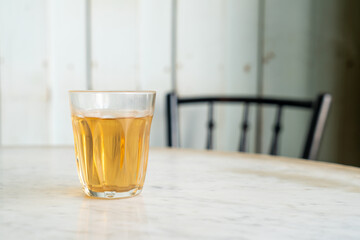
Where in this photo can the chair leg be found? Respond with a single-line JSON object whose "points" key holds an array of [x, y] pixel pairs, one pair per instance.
{"points": [[313, 140], [172, 120]]}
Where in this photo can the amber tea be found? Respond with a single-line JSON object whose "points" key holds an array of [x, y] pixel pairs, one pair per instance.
{"points": [[111, 138], [112, 152]]}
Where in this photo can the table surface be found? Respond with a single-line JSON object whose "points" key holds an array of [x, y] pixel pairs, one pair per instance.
{"points": [[187, 194]]}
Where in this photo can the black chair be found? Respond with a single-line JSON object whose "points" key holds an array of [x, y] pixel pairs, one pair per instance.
{"points": [[320, 108]]}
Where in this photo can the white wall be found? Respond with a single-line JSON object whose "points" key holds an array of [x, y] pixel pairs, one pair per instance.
{"points": [[287, 69], [131, 51], [217, 54], [303, 57], [44, 53], [25, 92], [66, 38]]}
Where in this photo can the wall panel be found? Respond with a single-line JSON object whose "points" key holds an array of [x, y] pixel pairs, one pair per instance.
{"points": [[25, 90]]}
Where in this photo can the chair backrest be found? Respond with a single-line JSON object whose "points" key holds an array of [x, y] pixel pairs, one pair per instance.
{"points": [[319, 107]]}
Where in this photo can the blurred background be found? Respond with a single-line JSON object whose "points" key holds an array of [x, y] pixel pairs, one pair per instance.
{"points": [[280, 48]]}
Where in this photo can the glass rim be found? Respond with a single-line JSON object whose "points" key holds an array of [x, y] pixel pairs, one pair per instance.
{"points": [[111, 91]]}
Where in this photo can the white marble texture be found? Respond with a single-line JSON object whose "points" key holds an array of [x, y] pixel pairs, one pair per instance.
{"points": [[187, 194]]}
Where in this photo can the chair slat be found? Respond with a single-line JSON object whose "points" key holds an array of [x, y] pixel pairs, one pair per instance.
{"points": [[211, 124], [320, 109], [276, 129], [244, 128]]}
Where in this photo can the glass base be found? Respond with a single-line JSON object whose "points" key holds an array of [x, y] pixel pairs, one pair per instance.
{"points": [[113, 194]]}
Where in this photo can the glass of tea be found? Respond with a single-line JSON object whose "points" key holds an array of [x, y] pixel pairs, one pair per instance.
{"points": [[111, 138]]}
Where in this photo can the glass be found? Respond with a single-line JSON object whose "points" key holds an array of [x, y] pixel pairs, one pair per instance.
{"points": [[111, 137]]}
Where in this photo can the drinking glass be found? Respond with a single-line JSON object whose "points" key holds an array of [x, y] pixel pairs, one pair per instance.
{"points": [[111, 138]]}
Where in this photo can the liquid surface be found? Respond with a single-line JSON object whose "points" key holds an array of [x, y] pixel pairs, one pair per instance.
{"points": [[111, 152]]}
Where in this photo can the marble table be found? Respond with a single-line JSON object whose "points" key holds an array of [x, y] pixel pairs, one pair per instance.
{"points": [[187, 195]]}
